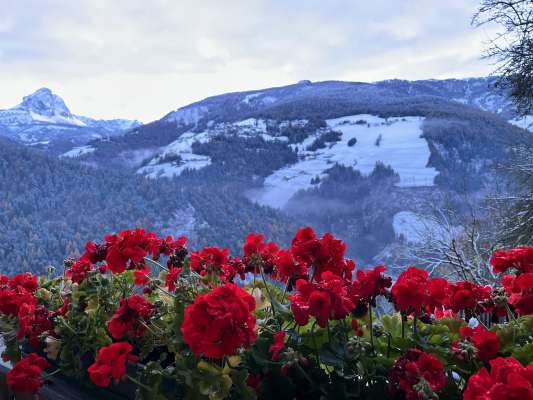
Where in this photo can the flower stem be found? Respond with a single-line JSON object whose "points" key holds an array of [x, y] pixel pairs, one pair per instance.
{"points": [[269, 294], [140, 384], [314, 343], [371, 327]]}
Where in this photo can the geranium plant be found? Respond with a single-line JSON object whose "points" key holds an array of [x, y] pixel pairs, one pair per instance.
{"points": [[297, 323]]}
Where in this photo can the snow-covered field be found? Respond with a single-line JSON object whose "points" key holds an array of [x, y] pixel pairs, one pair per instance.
{"points": [[400, 146], [158, 167], [78, 151], [416, 228], [183, 148], [523, 122]]}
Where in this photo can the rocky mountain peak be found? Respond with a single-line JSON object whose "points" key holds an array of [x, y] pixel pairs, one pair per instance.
{"points": [[44, 102]]}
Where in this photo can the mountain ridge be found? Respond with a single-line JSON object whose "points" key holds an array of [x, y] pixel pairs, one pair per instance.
{"points": [[43, 119]]}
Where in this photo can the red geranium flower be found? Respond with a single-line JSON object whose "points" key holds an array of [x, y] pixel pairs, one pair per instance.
{"points": [[520, 292], [130, 246], [172, 278], [413, 291], [418, 375], [220, 322], [410, 291], [111, 363], [324, 254], [257, 251], [369, 284], [232, 269], [209, 260], [12, 299], [94, 253], [288, 267], [24, 282], [79, 270], [467, 295], [520, 258], [142, 275], [126, 319], [276, 347], [508, 380], [25, 376], [305, 246], [486, 342], [169, 245], [34, 320], [325, 300]]}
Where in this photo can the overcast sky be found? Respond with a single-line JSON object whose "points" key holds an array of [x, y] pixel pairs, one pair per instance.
{"points": [[142, 59]]}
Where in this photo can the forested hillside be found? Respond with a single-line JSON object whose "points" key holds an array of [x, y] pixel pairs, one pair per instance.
{"points": [[49, 208]]}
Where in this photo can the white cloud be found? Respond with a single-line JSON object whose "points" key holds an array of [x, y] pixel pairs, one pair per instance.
{"points": [[139, 59]]}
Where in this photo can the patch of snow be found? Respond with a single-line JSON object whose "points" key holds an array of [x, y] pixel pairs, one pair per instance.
{"points": [[181, 147], [43, 142], [461, 100], [78, 151], [295, 123], [268, 100], [257, 125], [416, 228], [252, 96], [188, 115], [401, 147], [525, 122], [56, 119]]}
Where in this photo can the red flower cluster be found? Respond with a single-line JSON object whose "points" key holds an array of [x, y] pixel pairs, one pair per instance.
{"points": [[288, 267], [16, 291], [79, 270], [466, 295], [25, 376], [17, 299], [419, 375], [257, 254], [126, 319], [142, 275], [220, 322], [111, 363], [520, 292], [487, 343], [413, 290], [210, 260], [507, 380], [518, 287], [130, 246], [327, 299], [233, 268], [324, 254], [520, 258], [171, 279], [34, 320], [370, 284], [127, 250], [276, 347]]}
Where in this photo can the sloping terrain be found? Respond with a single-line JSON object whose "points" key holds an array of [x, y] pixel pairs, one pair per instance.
{"points": [[49, 208], [346, 157]]}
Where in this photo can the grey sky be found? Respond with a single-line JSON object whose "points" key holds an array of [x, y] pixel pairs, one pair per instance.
{"points": [[142, 59]]}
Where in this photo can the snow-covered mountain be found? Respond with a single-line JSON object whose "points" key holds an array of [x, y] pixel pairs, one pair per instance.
{"points": [[43, 119], [346, 157]]}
